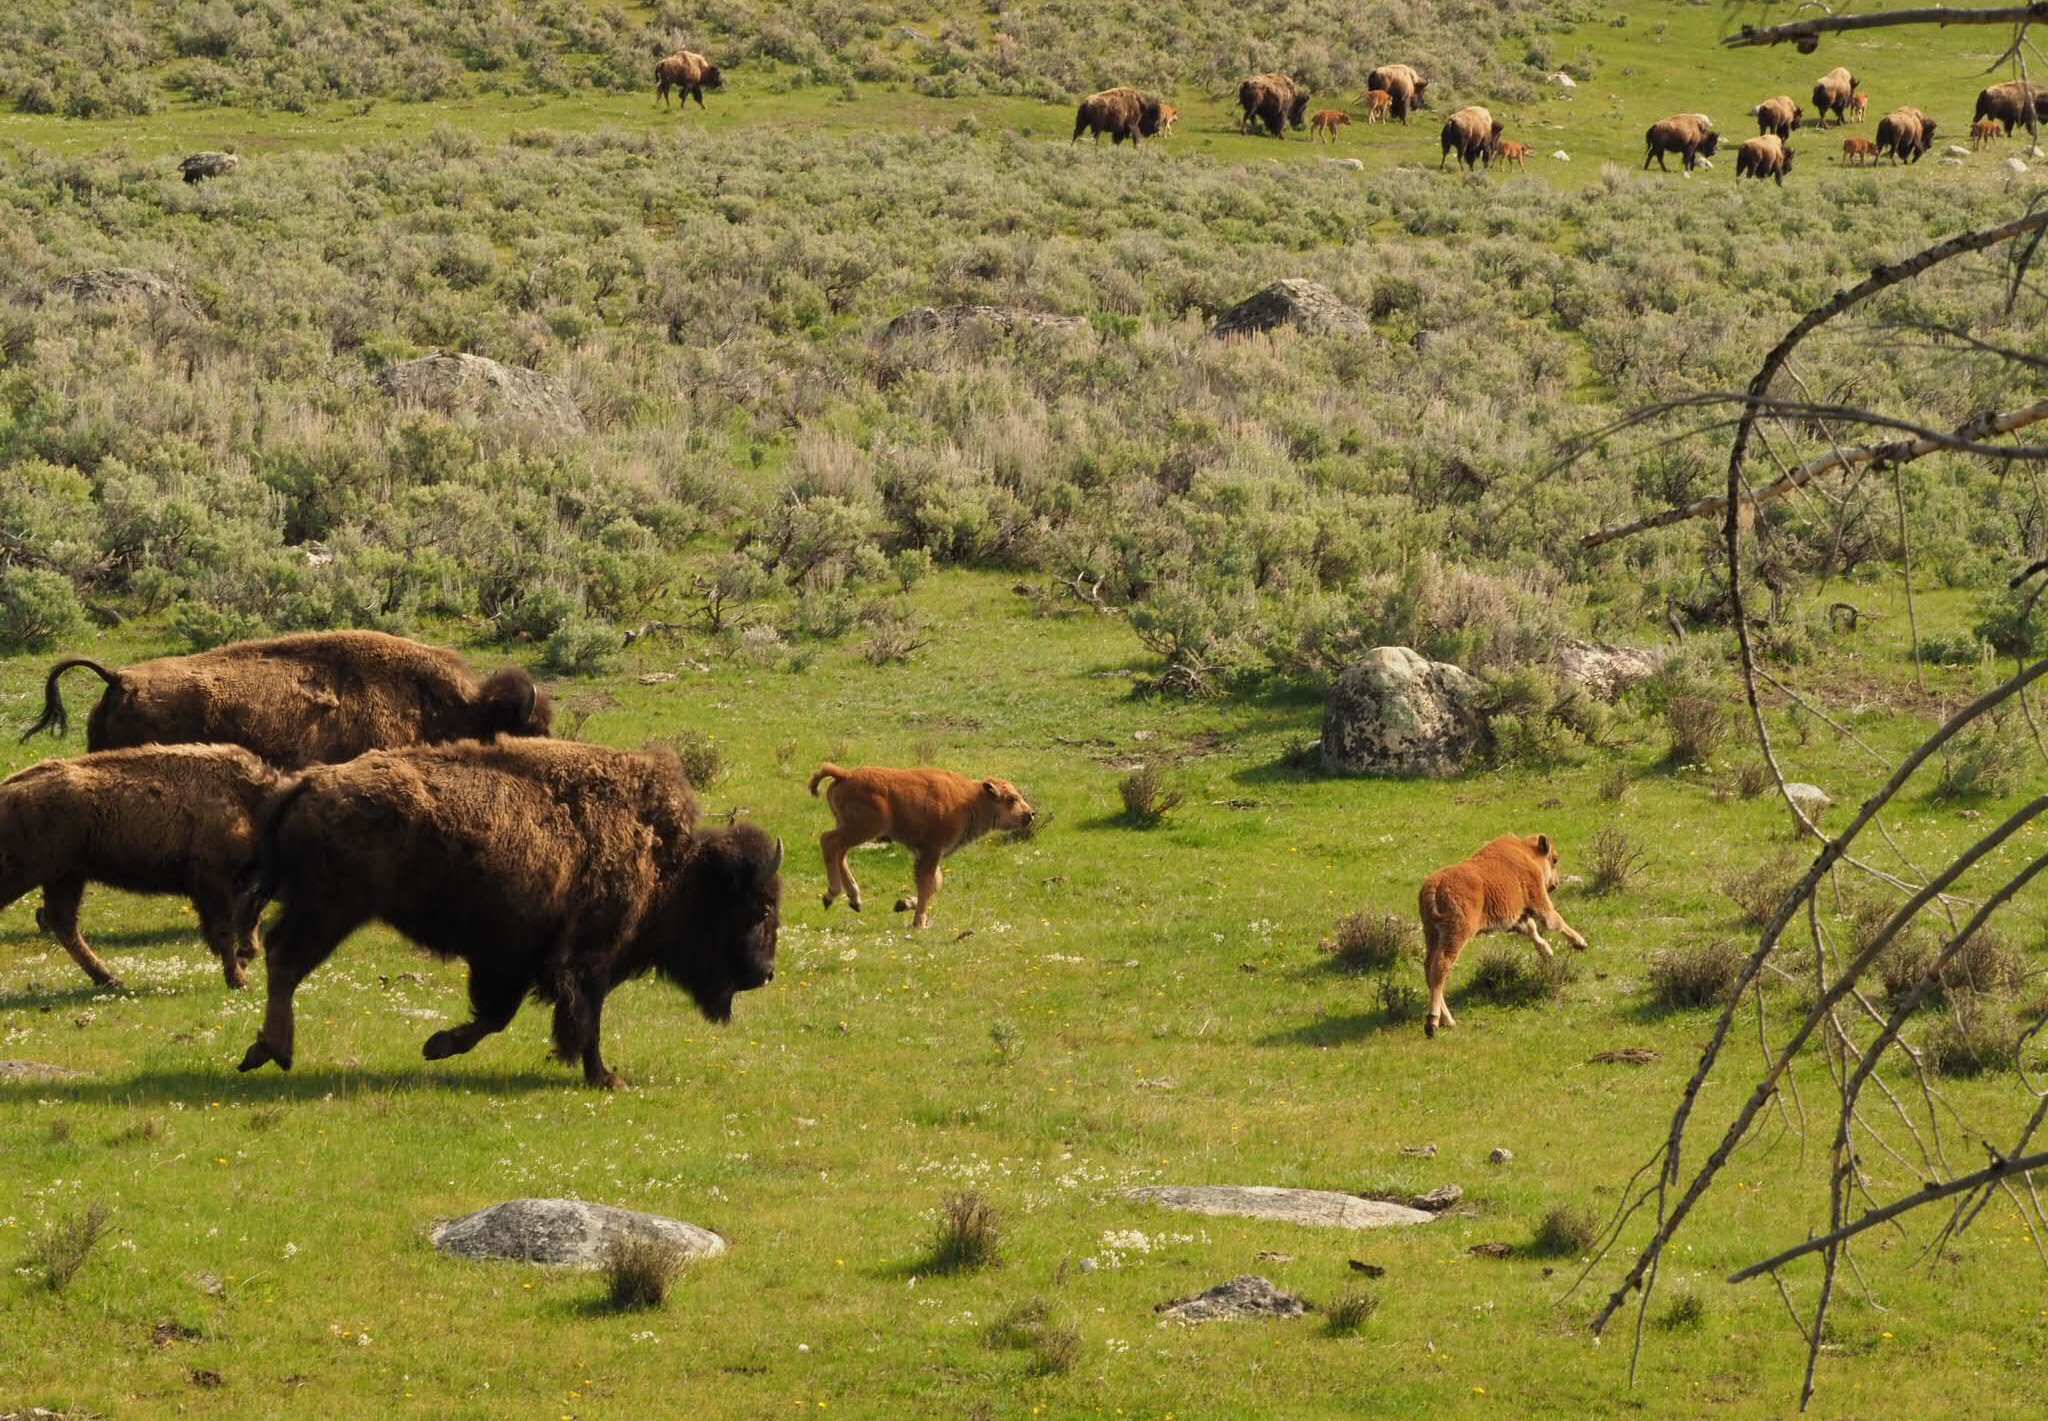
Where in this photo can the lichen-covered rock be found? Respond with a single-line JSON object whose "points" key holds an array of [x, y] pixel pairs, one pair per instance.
{"points": [[563, 1232], [1246, 1296], [452, 380], [1603, 669], [1306, 304], [1315, 1208], [1394, 712]]}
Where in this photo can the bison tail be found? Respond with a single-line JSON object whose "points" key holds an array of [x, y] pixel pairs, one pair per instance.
{"points": [[53, 718], [259, 886], [826, 771]]}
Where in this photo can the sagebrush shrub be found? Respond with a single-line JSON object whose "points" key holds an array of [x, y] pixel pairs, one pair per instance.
{"points": [[1699, 975], [1371, 942]]}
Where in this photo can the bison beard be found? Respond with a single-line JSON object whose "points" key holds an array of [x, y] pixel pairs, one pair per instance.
{"points": [[554, 870], [316, 698]]}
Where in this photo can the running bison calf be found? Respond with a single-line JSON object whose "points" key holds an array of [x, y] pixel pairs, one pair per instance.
{"points": [[163, 819], [1505, 887], [553, 869], [688, 72], [313, 699], [1122, 112], [929, 812], [1689, 134]]}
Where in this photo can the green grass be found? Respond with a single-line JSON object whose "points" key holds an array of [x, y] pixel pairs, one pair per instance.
{"points": [[1167, 1019]]}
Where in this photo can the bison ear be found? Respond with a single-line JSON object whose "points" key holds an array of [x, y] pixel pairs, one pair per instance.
{"points": [[988, 787], [1543, 845]]}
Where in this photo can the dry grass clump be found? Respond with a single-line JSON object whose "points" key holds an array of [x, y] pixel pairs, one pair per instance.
{"points": [[1975, 1037], [1348, 1316], [967, 1236], [61, 1247], [1613, 861], [1699, 975], [1759, 891], [1567, 1231], [1147, 800], [1030, 1326], [1371, 942], [1510, 977], [1697, 724], [639, 1271]]}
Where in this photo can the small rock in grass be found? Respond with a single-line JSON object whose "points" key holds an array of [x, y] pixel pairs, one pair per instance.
{"points": [[1492, 1250], [1438, 1199], [1502, 1155], [563, 1232], [1242, 1297], [1627, 1056]]}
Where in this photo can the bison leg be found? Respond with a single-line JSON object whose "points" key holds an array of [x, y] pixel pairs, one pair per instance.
{"points": [[838, 873], [217, 925], [929, 877], [1554, 920], [494, 999], [298, 944], [1436, 970], [697, 93], [59, 918], [1526, 926], [579, 1016]]}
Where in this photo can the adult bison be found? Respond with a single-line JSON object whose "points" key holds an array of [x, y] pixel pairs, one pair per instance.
{"points": [[1778, 116], [1906, 134], [1690, 134], [1473, 134], [1832, 94], [161, 819], [689, 73], [311, 699], [1122, 112], [1273, 100], [1504, 887], [929, 812], [2012, 104], [1765, 156], [1404, 88], [554, 869]]}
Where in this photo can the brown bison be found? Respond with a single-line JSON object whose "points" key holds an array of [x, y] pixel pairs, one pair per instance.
{"points": [[1326, 122], [1764, 157], [1513, 152], [1473, 134], [1905, 134], [555, 870], [1122, 113], [689, 73], [1858, 150], [1689, 134], [311, 699], [1505, 887], [1403, 87], [1273, 100], [2012, 104], [163, 819], [929, 812], [1832, 94], [1778, 116]]}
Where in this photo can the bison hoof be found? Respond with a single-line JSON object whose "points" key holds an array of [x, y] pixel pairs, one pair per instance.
{"points": [[441, 1045], [259, 1053], [904, 905], [1429, 1027], [606, 1080], [828, 900]]}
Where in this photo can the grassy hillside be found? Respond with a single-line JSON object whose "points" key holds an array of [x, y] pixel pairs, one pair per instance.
{"points": [[890, 549]]}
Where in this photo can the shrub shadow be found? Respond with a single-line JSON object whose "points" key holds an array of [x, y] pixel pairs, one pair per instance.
{"points": [[269, 1086]]}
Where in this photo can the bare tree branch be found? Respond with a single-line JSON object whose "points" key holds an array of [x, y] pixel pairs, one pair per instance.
{"points": [[1810, 31]]}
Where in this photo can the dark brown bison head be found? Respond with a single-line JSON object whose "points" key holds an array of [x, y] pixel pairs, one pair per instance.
{"points": [[510, 703], [1151, 114], [1421, 88], [728, 912], [712, 78], [1298, 108], [1788, 160], [1712, 145], [1926, 135]]}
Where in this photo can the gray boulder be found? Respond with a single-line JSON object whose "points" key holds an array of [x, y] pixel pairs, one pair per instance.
{"points": [[1395, 713], [201, 166], [1244, 1297], [1307, 304], [1604, 669], [563, 1232], [1315, 1208], [36, 1071], [450, 381]]}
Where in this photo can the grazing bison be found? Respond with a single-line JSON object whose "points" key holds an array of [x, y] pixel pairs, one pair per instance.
{"points": [[1778, 116], [929, 812], [2012, 104], [1403, 87], [1832, 94], [689, 73], [1122, 113], [1513, 152], [1905, 134], [162, 819], [1473, 134], [1764, 157], [1273, 100], [311, 699], [1326, 122], [1689, 134], [1505, 887], [554, 869], [1378, 104], [1858, 150]]}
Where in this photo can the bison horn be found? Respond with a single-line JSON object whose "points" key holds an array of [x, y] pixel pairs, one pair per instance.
{"points": [[776, 866]]}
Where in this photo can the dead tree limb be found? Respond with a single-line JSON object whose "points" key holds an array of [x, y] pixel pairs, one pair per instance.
{"points": [[1809, 31]]}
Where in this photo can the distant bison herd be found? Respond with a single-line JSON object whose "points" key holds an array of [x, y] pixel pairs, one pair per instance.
{"points": [[1274, 104], [356, 777]]}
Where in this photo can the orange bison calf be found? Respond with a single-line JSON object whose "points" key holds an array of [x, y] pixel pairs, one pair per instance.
{"points": [[555, 870], [164, 819], [1505, 887], [312, 699], [1324, 123], [929, 812]]}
